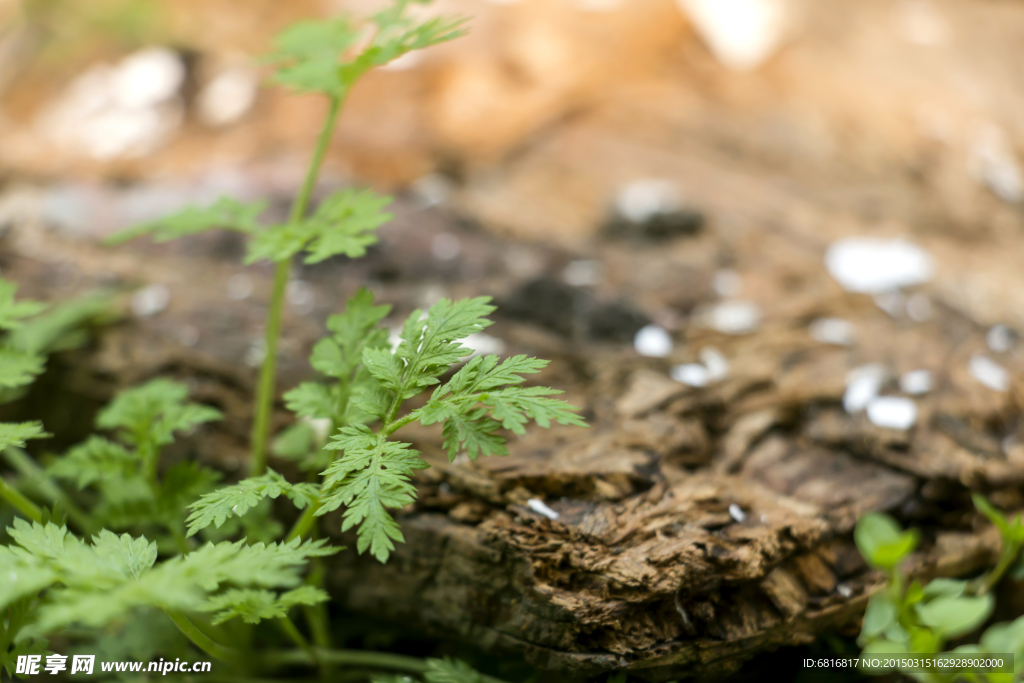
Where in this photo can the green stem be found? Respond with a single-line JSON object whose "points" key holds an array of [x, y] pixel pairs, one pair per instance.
{"points": [[304, 523], [316, 617], [203, 641], [268, 372], [988, 581], [23, 504], [393, 427], [27, 467], [293, 632]]}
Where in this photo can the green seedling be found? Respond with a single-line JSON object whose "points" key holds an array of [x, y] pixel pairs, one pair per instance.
{"points": [[906, 618], [130, 556]]}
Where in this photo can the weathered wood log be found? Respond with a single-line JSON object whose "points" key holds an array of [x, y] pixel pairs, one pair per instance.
{"points": [[695, 528]]}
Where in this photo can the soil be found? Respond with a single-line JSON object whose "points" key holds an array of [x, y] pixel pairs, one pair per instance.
{"points": [[697, 526]]}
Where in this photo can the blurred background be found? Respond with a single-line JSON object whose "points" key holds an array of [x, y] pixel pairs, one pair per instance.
{"points": [[904, 111], [774, 247]]}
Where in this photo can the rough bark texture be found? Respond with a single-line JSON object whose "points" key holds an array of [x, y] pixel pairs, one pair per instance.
{"points": [[696, 527]]}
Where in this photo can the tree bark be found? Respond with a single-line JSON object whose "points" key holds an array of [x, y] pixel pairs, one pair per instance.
{"points": [[696, 527]]}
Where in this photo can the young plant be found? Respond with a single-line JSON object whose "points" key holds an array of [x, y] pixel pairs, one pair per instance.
{"points": [[373, 473], [323, 57], [59, 583], [133, 495], [908, 618]]}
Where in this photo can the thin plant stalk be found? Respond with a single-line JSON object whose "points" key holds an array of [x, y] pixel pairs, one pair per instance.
{"points": [[20, 502], [268, 372], [293, 632], [27, 467], [203, 641]]}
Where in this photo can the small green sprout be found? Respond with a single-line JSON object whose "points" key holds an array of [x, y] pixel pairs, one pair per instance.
{"points": [[914, 619]]}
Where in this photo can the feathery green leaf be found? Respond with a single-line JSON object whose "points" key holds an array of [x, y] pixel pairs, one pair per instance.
{"points": [[216, 507], [253, 606], [373, 475], [104, 580], [96, 459], [154, 411], [343, 224], [225, 213], [16, 434], [316, 56]]}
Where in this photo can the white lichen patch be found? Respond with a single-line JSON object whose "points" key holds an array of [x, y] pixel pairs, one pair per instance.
{"points": [[872, 266], [892, 412], [863, 385], [691, 374], [150, 300], [652, 341], [833, 331], [733, 317], [917, 382], [988, 372]]}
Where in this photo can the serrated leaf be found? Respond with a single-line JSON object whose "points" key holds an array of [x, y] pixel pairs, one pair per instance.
{"points": [[398, 34], [216, 507], [475, 432], [372, 475], [135, 555], [343, 224], [115, 574], [95, 460], [182, 419], [458, 403], [430, 343], [226, 213], [515, 405], [385, 367], [328, 359], [16, 434], [312, 399], [253, 606], [367, 400], [154, 411], [351, 328], [346, 223], [315, 56], [485, 373], [309, 55]]}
